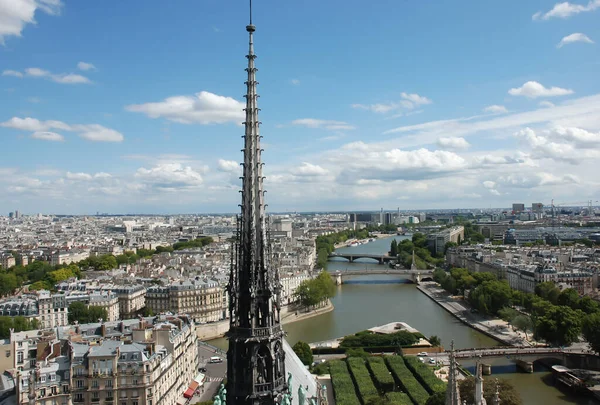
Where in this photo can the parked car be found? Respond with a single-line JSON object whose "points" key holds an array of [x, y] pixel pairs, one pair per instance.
{"points": [[421, 359], [215, 359], [422, 354], [202, 369]]}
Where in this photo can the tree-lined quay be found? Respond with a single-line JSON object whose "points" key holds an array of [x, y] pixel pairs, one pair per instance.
{"points": [[554, 316]]}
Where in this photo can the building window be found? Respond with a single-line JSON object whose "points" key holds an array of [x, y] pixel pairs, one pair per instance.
{"points": [[19, 357], [8, 353], [65, 389], [52, 377], [79, 397], [108, 384], [43, 379], [43, 392], [109, 395], [79, 383], [94, 383]]}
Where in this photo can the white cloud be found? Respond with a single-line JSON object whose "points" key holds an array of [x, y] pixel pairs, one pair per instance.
{"points": [[295, 82], [62, 78], [415, 98], [79, 176], [85, 66], [33, 124], [536, 180], [48, 136], [203, 108], [533, 89], [70, 79], [576, 37], [408, 101], [230, 166], [91, 132], [308, 169], [358, 160], [496, 109], [327, 124], [34, 100], [170, 176], [12, 73], [98, 133], [453, 143], [566, 10], [489, 184], [572, 145], [15, 14], [546, 104]]}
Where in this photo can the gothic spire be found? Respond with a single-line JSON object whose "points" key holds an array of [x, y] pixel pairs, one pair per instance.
{"points": [[452, 392], [256, 360]]}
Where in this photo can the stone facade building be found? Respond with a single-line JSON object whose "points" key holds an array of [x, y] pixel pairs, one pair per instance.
{"points": [[132, 299], [149, 361], [202, 301]]}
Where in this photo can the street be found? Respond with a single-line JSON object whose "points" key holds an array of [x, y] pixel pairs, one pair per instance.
{"points": [[215, 372]]}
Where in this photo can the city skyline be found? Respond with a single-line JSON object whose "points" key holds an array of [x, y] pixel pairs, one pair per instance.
{"points": [[391, 114]]}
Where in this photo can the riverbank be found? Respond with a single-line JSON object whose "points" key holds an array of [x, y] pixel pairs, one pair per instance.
{"points": [[289, 314], [497, 329]]}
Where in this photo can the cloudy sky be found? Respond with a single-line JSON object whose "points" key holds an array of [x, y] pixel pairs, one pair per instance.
{"points": [[136, 106]]}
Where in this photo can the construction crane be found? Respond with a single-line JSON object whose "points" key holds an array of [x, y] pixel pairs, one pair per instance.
{"points": [[587, 203]]}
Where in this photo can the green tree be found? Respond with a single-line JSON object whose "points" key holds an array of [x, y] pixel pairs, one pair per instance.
{"points": [[95, 313], [304, 353], [78, 312], [508, 393], [435, 341], [588, 305], [439, 275], [591, 330], [357, 352], [8, 283], [548, 291], [394, 248], [523, 323], [40, 285], [508, 314], [491, 296], [439, 398], [569, 297], [322, 257], [560, 326], [449, 245]]}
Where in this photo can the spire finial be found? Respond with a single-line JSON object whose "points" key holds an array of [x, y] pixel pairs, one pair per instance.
{"points": [[250, 28]]}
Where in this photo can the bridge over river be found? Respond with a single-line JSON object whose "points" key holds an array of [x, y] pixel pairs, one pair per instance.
{"points": [[524, 357], [351, 257], [415, 275]]}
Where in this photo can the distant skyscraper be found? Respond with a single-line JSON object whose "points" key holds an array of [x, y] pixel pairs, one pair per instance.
{"points": [[256, 368], [518, 208]]}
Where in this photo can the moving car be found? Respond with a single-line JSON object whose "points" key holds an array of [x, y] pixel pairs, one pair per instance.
{"points": [[215, 359]]}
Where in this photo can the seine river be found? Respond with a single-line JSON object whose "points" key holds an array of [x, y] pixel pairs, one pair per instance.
{"points": [[379, 299]]}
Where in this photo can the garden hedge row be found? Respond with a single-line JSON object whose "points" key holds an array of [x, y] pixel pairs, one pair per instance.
{"points": [[425, 375], [381, 375], [405, 378], [343, 387], [362, 378], [398, 398]]}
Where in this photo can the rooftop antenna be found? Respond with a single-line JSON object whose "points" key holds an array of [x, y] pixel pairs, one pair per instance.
{"points": [[250, 12]]}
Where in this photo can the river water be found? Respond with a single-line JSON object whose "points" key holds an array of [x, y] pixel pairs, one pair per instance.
{"points": [[374, 300]]}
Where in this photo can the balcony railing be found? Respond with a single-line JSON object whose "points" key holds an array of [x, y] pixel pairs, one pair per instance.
{"points": [[258, 332]]}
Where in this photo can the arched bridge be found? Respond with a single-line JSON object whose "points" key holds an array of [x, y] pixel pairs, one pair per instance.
{"points": [[351, 257], [416, 275]]}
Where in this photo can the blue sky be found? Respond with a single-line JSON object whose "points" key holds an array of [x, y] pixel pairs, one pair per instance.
{"points": [[135, 106]]}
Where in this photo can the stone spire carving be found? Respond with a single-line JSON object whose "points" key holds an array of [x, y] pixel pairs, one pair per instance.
{"points": [[496, 399], [479, 399], [256, 366], [452, 392], [413, 266]]}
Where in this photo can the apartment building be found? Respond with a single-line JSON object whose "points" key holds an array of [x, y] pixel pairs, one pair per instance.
{"points": [[149, 361], [436, 242], [201, 300], [68, 256], [51, 310], [290, 282], [103, 299], [7, 260], [132, 299]]}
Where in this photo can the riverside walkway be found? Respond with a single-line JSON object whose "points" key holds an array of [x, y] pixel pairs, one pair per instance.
{"points": [[494, 328]]}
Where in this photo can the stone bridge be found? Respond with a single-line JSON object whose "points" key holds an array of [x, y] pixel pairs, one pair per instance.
{"points": [[351, 257], [523, 357], [416, 275]]}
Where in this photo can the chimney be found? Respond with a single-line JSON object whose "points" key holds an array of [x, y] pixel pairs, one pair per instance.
{"points": [[77, 328], [103, 330], [121, 327]]}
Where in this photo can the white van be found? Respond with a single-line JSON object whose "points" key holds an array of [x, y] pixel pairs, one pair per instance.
{"points": [[215, 359]]}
